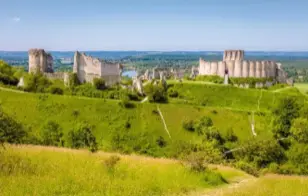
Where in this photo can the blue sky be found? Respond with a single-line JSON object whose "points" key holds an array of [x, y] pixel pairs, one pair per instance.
{"points": [[270, 25]]}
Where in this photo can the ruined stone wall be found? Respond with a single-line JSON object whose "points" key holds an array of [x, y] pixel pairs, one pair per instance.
{"points": [[88, 68], [37, 60]]}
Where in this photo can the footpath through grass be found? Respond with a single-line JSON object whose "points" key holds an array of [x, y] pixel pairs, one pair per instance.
{"points": [[36, 170]]}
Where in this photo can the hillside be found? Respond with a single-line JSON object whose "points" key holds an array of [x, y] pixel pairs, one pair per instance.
{"points": [[206, 94], [109, 118], [37, 170]]}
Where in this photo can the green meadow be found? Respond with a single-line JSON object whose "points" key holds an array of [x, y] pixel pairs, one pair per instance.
{"points": [[38, 170]]}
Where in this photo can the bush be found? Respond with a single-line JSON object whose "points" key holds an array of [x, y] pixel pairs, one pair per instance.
{"points": [[284, 112], [156, 93], [56, 90], [111, 162], [7, 74], [99, 83], [73, 80], [212, 134], [52, 134], [161, 142], [210, 78], [299, 130], [126, 103], [298, 156], [261, 153], [196, 162], [230, 136], [247, 167], [203, 123], [173, 93], [36, 83], [11, 131], [188, 125], [82, 136]]}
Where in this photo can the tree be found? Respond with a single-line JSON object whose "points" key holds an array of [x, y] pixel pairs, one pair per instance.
{"points": [[299, 130], [10, 130], [285, 111], [52, 134], [82, 136], [202, 124], [156, 93], [298, 156]]}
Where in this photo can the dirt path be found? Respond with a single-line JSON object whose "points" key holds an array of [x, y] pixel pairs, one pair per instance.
{"points": [[162, 118]]}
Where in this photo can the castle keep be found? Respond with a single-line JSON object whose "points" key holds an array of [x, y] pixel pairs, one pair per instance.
{"points": [[40, 61], [234, 65], [87, 68]]}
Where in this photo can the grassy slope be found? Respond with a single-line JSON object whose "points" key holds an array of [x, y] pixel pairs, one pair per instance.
{"points": [[33, 110], [303, 87], [58, 171], [199, 93], [272, 185]]}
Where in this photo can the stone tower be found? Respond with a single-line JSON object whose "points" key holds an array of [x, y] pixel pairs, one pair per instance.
{"points": [[233, 55], [40, 61]]}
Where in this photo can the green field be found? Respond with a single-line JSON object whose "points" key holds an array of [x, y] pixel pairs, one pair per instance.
{"points": [[36, 170], [303, 87], [108, 117]]}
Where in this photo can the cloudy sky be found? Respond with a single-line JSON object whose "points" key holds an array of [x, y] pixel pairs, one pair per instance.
{"points": [[272, 25]]}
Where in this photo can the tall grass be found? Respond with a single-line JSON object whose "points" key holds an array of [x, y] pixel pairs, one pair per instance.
{"points": [[29, 170]]}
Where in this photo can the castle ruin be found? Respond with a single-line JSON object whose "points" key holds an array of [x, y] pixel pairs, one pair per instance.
{"points": [[40, 61], [87, 68], [234, 65]]}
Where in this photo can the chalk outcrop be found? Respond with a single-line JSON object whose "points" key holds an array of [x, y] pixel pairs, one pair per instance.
{"points": [[87, 68]]}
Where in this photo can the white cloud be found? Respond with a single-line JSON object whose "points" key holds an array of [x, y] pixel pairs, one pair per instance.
{"points": [[16, 19]]}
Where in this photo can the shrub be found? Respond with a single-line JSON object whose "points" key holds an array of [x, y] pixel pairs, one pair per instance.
{"points": [[230, 136], [73, 80], [111, 162], [203, 123], [299, 130], [7, 74], [212, 134], [56, 90], [36, 83], [211, 78], [161, 142], [247, 167], [188, 125], [298, 156], [126, 103], [213, 178], [99, 83], [284, 112], [82, 136], [196, 162], [11, 131], [261, 153], [173, 93], [52, 134], [156, 93]]}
